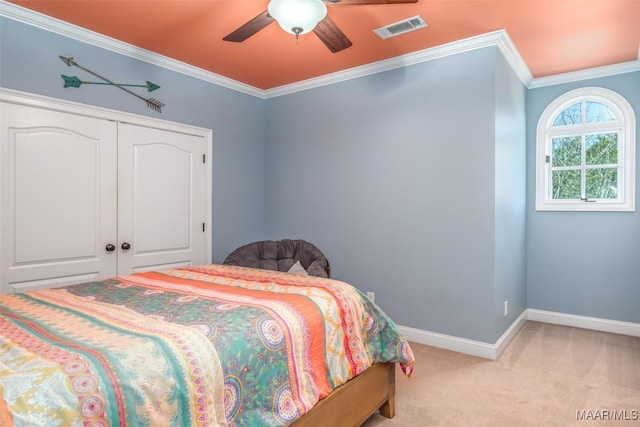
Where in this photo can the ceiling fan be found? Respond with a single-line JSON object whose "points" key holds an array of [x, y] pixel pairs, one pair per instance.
{"points": [[299, 22]]}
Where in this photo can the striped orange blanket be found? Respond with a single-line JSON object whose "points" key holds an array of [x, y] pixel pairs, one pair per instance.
{"points": [[198, 346]]}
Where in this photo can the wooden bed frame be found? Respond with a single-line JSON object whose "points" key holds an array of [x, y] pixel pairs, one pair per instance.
{"points": [[354, 402]]}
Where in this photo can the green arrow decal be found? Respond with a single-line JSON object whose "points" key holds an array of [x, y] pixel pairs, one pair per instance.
{"points": [[151, 86], [76, 82], [71, 81]]}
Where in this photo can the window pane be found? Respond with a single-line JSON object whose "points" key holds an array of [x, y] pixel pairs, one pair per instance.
{"points": [[570, 116], [566, 151], [586, 152], [566, 184], [597, 112], [602, 149], [602, 183]]}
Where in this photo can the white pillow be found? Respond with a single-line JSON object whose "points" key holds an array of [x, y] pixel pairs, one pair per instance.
{"points": [[298, 269]]}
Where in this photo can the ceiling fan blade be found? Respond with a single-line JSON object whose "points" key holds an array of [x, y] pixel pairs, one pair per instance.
{"points": [[329, 33], [250, 28], [341, 2]]}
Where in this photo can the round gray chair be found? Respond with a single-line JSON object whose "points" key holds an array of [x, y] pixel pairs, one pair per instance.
{"points": [[281, 255]]}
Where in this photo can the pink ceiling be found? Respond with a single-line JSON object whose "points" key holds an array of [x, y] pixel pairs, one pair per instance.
{"points": [[552, 36]]}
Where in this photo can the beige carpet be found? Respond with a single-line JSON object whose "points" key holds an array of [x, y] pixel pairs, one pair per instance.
{"points": [[549, 375]]}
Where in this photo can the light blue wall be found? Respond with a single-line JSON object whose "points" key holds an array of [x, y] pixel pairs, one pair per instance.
{"points": [[510, 197], [29, 62], [393, 177], [584, 263]]}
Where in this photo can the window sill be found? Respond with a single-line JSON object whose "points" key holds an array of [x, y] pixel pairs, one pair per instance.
{"points": [[585, 206]]}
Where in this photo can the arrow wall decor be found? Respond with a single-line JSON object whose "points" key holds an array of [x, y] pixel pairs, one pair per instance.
{"points": [[76, 82]]}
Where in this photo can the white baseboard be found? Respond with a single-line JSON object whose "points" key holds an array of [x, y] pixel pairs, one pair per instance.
{"points": [[593, 323], [510, 333], [493, 351], [463, 345], [449, 342]]}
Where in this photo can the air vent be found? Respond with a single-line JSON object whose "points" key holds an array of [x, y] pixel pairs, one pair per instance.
{"points": [[401, 27]]}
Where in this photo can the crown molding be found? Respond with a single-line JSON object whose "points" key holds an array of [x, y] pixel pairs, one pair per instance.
{"points": [[39, 20], [499, 39], [591, 73], [513, 58]]}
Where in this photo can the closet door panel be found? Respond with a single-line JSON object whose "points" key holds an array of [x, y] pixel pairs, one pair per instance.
{"points": [[58, 196], [161, 199]]}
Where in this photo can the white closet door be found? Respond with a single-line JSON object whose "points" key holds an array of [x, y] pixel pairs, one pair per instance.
{"points": [[58, 192], [161, 199]]}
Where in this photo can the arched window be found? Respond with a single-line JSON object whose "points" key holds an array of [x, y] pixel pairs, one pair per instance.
{"points": [[585, 156]]}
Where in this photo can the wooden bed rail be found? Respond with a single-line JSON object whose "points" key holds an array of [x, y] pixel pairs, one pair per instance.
{"points": [[354, 402]]}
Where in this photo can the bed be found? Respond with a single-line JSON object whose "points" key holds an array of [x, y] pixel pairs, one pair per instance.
{"points": [[207, 345]]}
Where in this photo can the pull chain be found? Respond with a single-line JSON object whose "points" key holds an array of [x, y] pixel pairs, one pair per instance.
{"points": [[297, 31]]}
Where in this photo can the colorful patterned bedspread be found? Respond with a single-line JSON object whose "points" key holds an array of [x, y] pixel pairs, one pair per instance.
{"points": [[198, 346]]}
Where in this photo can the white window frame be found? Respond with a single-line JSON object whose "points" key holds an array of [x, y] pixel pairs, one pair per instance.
{"points": [[624, 125]]}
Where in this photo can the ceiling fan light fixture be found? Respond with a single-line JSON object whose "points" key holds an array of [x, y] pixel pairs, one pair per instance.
{"points": [[297, 16]]}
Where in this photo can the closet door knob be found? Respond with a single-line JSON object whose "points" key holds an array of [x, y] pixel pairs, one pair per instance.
{"points": [[110, 248], [125, 246]]}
